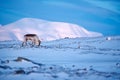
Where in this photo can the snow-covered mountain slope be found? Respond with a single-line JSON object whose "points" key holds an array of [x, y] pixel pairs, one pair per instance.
{"points": [[45, 30]]}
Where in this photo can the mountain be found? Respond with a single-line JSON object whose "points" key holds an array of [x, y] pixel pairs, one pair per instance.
{"points": [[46, 30]]}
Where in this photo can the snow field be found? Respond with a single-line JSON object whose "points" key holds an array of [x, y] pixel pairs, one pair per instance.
{"points": [[64, 59]]}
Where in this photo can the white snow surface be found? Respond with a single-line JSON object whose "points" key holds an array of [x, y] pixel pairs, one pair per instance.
{"points": [[64, 59], [46, 30]]}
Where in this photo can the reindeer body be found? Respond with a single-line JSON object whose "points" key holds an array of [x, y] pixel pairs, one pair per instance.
{"points": [[33, 38]]}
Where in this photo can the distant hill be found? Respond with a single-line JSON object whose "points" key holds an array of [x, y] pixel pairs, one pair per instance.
{"points": [[46, 30]]}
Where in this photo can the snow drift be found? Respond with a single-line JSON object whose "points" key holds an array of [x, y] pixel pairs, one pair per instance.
{"points": [[46, 30]]}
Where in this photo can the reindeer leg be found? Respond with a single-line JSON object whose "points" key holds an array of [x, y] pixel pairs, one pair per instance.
{"points": [[32, 44]]}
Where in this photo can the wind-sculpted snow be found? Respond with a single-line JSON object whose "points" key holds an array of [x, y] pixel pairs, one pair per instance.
{"points": [[97, 45], [64, 59], [54, 71]]}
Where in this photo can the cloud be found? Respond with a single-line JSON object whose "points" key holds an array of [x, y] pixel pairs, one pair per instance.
{"points": [[61, 4], [112, 5], [13, 12]]}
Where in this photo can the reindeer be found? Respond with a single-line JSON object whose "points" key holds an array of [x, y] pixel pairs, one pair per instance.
{"points": [[33, 38]]}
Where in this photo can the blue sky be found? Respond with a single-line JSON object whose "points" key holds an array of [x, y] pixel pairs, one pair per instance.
{"points": [[95, 15]]}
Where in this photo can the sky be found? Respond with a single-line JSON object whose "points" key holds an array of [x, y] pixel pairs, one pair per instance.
{"points": [[94, 15]]}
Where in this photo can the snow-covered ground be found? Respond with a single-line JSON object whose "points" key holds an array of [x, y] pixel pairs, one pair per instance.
{"points": [[64, 59]]}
